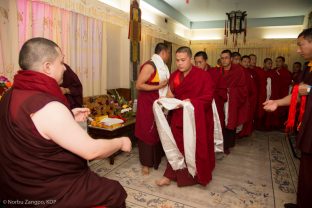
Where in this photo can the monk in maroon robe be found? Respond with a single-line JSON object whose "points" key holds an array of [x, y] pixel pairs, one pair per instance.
{"points": [[248, 126], [261, 84], [201, 59], [272, 121], [43, 151], [233, 77], [281, 81], [71, 87], [220, 92], [148, 84], [192, 84], [215, 74], [296, 73], [304, 139]]}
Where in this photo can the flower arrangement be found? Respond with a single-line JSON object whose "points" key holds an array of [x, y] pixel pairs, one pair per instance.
{"points": [[5, 84], [123, 108]]}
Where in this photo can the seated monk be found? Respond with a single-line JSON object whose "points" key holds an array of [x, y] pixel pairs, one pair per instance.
{"points": [[44, 151]]}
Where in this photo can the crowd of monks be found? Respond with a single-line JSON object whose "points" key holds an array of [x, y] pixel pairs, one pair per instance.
{"points": [[236, 86], [201, 104], [254, 85]]}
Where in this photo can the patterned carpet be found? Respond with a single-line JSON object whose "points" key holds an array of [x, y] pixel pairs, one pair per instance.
{"points": [[260, 172]]}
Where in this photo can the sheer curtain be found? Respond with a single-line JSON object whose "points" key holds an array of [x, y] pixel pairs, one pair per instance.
{"points": [[8, 39], [81, 39]]}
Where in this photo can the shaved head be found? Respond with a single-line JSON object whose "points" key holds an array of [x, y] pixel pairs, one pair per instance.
{"points": [[36, 51]]}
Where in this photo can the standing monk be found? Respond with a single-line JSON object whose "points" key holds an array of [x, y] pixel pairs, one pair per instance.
{"points": [[152, 84], [201, 59], [191, 84], [284, 83], [304, 139], [236, 107], [248, 126], [44, 151], [260, 79]]}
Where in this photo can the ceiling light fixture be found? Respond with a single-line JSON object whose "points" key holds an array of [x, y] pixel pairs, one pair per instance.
{"points": [[236, 24]]}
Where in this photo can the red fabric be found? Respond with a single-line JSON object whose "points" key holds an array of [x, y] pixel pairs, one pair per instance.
{"points": [[292, 109], [248, 126], [290, 123], [280, 82], [296, 77], [149, 81], [145, 127], [32, 80], [284, 82], [236, 84], [198, 87]]}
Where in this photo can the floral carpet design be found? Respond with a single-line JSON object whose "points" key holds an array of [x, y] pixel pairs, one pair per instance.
{"points": [[259, 172]]}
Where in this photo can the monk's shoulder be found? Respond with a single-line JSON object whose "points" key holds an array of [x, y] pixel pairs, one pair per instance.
{"points": [[237, 68]]}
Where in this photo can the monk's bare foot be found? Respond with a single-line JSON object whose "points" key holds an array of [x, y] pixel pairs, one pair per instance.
{"points": [[163, 182], [145, 170]]}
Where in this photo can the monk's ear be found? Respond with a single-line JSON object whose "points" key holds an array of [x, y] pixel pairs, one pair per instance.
{"points": [[47, 69]]}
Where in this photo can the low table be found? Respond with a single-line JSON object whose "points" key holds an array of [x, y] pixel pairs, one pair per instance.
{"points": [[127, 129]]}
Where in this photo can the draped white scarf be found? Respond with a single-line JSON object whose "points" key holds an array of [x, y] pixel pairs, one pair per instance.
{"points": [[163, 73], [174, 156]]}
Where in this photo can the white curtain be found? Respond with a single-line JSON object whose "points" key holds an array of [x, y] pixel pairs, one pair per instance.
{"points": [[8, 39]]}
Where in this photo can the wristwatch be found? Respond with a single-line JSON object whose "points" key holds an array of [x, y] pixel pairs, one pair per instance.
{"points": [[309, 89]]}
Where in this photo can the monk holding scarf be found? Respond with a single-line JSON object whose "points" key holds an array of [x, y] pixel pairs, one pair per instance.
{"points": [[194, 86], [152, 84]]}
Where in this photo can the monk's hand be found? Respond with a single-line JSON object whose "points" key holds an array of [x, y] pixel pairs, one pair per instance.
{"points": [[303, 89], [270, 105], [126, 145], [163, 83], [63, 90], [81, 114]]}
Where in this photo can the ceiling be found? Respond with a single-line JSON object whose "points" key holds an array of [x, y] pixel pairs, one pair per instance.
{"points": [[200, 14]]}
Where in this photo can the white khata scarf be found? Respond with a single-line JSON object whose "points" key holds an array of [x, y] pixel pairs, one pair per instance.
{"points": [[163, 73], [174, 156]]}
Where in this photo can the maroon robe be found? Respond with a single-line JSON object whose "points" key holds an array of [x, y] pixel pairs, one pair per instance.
{"points": [[261, 84], [72, 82], [280, 82], [236, 84], [272, 121], [304, 143], [248, 126], [198, 87], [296, 77], [150, 149], [220, 94], [37, 169]]}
